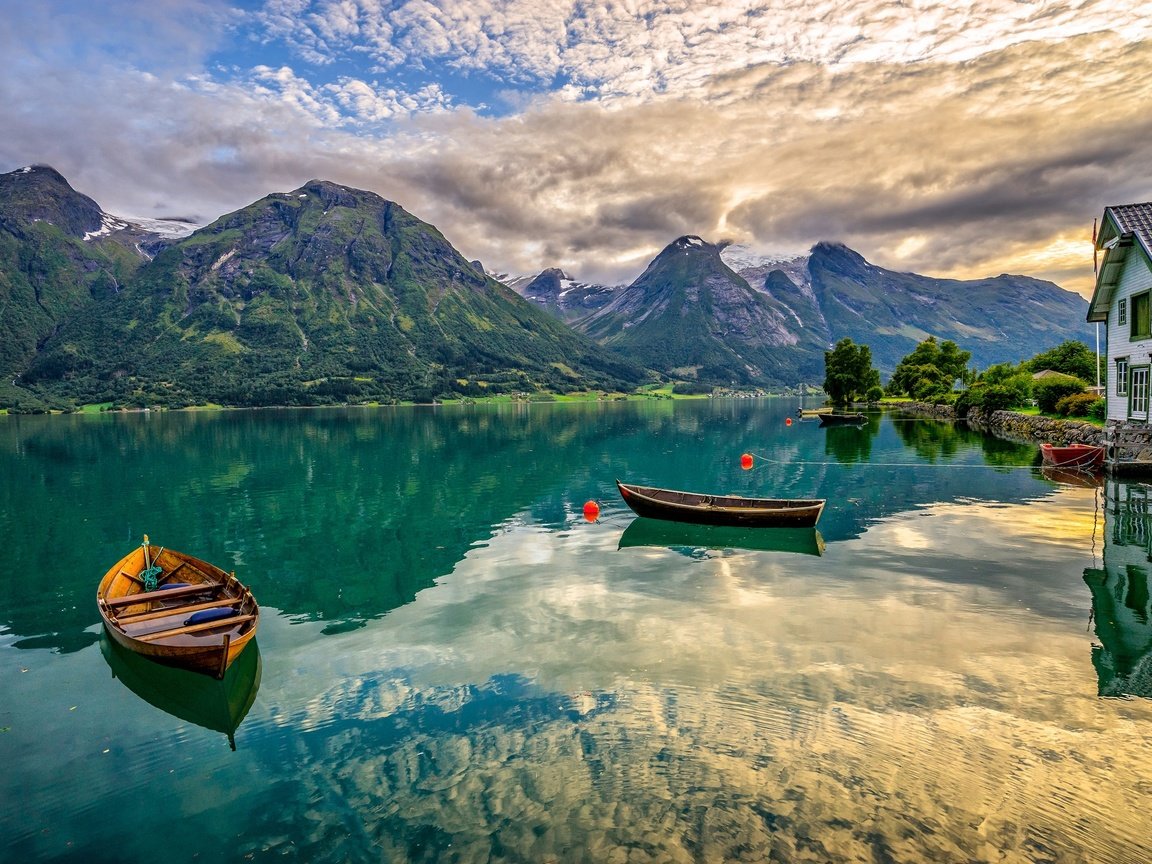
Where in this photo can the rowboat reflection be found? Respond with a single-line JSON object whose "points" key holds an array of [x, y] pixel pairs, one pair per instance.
{"points": [[216, 704], [686, 537], [1121, 602], [1072, 476]]}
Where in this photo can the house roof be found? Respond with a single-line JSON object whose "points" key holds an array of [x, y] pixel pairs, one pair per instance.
{"points": [[1124, 227]]}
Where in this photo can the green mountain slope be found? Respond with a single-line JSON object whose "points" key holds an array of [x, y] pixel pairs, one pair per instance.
{"points": [[55, 262], [690, 316], [325, 294], [1003, 318]]}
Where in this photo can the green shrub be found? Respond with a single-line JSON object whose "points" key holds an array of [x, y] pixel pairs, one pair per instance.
{"points": [[1049, 391], [874, 394], [996, 398], [1077, 405], [1098, 410]]}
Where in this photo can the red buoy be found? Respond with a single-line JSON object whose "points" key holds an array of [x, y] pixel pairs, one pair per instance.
{"points": [[591, 511], [746, 461], [788, 421]]}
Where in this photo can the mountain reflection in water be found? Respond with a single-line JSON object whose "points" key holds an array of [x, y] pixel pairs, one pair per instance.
{"points": [[455, 666]]}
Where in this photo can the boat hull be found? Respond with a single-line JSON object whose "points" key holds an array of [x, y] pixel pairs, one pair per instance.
{"points": [[1086, 457], [162, 624], [727, 510]]}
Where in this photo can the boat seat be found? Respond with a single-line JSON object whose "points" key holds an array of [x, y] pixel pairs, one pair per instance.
{"points": [[178, 609], [167, 594], [194, 628]]}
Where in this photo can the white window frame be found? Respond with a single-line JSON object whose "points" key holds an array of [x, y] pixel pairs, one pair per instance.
{"points": [[1121, 376], [1122, 312]]}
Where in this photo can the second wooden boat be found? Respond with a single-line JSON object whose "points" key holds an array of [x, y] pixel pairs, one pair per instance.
{"points": [[1086, 457], [177, 610], [704, 509]]}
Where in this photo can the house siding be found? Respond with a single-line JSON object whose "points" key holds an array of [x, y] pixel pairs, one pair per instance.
{"points": [[1136, 278]]}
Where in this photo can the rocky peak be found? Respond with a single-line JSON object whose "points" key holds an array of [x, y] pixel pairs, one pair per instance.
{"points": [[691, 241], [334, 195], [836, 257], [39, 193]]}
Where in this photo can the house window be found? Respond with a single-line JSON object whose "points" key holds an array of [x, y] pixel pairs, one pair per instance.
{"points": [[1138, 393], [1122, 377], [1139, 326], [1122, 311]]}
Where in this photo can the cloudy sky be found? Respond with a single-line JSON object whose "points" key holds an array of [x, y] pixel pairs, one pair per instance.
{"points": [[947, 137]]}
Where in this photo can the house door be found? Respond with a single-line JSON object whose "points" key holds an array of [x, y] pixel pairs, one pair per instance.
{"points": [[1138, 393]]}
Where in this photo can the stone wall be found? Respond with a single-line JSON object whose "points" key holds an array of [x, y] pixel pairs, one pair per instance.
{"points": [[1129, 445], [1018, 427], [1027, 427]]}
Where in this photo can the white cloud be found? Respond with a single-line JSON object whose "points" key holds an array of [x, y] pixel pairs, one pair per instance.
{"points": [[641, 49], [993, 164]]}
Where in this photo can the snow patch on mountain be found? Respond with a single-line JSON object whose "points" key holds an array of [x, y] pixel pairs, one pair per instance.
{"points": [[740, 257], [172, 229], [754, 266], [108, 224], [167, 229]]}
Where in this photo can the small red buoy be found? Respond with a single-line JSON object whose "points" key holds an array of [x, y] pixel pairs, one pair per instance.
{"points": [[591, 511], [788, 421], [746, 461]]}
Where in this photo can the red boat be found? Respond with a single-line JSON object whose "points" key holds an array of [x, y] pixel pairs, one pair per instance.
{"points": [[1085, 457]]}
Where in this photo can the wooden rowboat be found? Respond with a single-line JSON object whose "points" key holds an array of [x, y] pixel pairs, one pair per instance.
{"points": [[177, 610], [814, 412], [1085, 457], [831, 418], [703, 509]]}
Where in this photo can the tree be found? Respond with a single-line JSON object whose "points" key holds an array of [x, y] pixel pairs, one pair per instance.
{"points": [[1069, 358], [929, 369], [848, 372]]}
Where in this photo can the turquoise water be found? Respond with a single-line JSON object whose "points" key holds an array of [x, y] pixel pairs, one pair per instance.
{"points": [[453, 665]]}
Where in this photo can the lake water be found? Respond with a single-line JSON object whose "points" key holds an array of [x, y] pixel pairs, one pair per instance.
{"points": [[454, 666]]}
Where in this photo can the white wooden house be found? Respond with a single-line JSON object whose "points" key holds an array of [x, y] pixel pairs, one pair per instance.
{"points": [[1122, 303]]}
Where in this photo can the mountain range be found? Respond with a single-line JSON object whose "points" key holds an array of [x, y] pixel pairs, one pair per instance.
{"points": [[328, 294], [324, 294], [723, 314]]}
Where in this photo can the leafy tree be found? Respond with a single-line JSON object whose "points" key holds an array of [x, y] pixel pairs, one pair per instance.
{"points": [[1069, 358], [930, 368], [848, 372]]}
